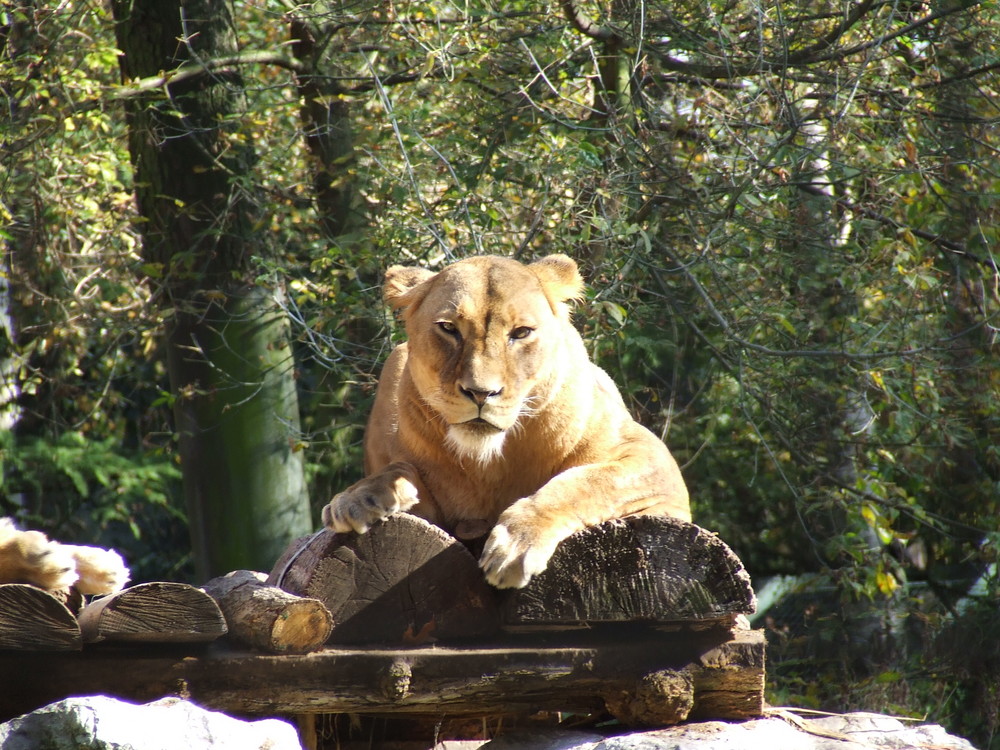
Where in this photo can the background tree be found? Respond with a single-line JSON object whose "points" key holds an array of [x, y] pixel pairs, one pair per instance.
{"points": [[227, 337]]}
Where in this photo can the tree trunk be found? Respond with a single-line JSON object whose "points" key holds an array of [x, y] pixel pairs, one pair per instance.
{"points": [[230, 364], [326, 122], [836, 414]]}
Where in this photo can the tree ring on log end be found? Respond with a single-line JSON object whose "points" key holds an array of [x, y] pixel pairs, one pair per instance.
{"points": [[652, 569], [405, 581]]}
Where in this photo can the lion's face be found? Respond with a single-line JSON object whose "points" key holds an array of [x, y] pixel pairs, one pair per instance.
{"points": [[484, 336]]}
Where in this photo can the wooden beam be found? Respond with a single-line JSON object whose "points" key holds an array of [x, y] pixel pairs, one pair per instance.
{"points": [[523, 675]]}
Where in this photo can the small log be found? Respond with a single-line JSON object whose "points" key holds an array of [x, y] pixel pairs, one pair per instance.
{"points": [[32, 619], [153, 613], [403, 582], [642, 568], [268, 618], [660, 698]]}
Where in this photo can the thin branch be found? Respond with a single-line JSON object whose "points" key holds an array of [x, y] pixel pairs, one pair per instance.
{"points": [[189, 71], [802, 58]]}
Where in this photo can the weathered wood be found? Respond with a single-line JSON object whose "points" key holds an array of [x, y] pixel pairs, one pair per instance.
{"points": [[405, 581], [660, 698], [642, 568], [268, 618], [726, 673], [33, 619], [153, 613]]}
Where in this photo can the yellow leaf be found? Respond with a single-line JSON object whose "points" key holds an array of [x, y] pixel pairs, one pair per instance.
{"points": [[886, 582]]}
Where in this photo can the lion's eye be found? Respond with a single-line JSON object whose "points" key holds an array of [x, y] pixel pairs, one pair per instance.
{"points": [[448, 327], [521, 332]]}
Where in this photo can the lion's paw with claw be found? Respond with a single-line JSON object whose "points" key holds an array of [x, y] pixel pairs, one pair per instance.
{"points": [[516, 550], [368, 502]]}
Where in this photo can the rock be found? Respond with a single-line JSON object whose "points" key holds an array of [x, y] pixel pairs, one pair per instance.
{"points": [[544, 739], [102, 723], [857, 731]]}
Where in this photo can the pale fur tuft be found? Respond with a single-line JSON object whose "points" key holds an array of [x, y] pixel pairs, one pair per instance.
{"points": [[483, 449]]}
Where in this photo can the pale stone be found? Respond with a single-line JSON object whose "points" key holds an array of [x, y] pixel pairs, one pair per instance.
{"points": [[102, 723], [856, 731]]}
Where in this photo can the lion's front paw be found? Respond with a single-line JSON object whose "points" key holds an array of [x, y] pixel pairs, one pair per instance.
{"points": [[367, 502], [514, 553]]}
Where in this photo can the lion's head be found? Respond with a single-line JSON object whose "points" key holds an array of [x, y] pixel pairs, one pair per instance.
{"points": [[484, 339]]}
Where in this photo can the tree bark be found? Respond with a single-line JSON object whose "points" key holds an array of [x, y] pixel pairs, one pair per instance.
{"points": [[230, 364]]}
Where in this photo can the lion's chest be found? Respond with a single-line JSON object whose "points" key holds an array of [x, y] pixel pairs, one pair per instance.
{"points": [[483, 493]]}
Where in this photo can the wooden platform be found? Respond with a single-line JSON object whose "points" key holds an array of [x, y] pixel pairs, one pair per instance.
{"points": [[638, 617], [522, 674]]}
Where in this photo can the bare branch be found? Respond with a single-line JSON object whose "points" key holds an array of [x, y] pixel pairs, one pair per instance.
{"points": [[190, 71]]}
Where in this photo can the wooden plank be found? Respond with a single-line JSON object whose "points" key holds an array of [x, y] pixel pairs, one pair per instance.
{"points": [[33, 619], [153, 613], [523, 675], [642, 568]]}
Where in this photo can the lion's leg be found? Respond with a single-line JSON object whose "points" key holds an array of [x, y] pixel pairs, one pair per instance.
{"points": [[394, 489], [528, 532]]}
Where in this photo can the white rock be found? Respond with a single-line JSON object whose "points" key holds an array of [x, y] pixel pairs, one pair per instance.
{"points": [[102, 723], [858, 731]]}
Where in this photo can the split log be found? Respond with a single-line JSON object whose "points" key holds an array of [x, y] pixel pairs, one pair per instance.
{"points": [[405, 581], [32, 619], [642, 568], [153, 613], [268, 618]]}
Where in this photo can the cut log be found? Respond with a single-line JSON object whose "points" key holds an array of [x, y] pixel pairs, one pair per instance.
{"points": [[643, 568], [405, 581], [268, 618], [32, 619], [154, 613]]}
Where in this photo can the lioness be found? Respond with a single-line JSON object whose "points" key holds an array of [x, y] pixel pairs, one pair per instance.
{"points": [[492, 416]]}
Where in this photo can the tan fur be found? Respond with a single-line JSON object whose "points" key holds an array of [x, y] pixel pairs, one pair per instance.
{"points": [[31, 557], [492, 415]]}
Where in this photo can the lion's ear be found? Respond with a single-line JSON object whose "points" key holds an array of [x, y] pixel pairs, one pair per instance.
{"points": [[560, 277], [400, 281]]}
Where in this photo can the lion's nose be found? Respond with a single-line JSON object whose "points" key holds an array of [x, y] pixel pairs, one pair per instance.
{"points": [[479, 396]]}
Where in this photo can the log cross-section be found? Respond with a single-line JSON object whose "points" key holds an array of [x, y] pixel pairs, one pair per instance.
{"points": [[642, 568], [269, 618], [34, 619], [405, 581], [153, 613]]}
